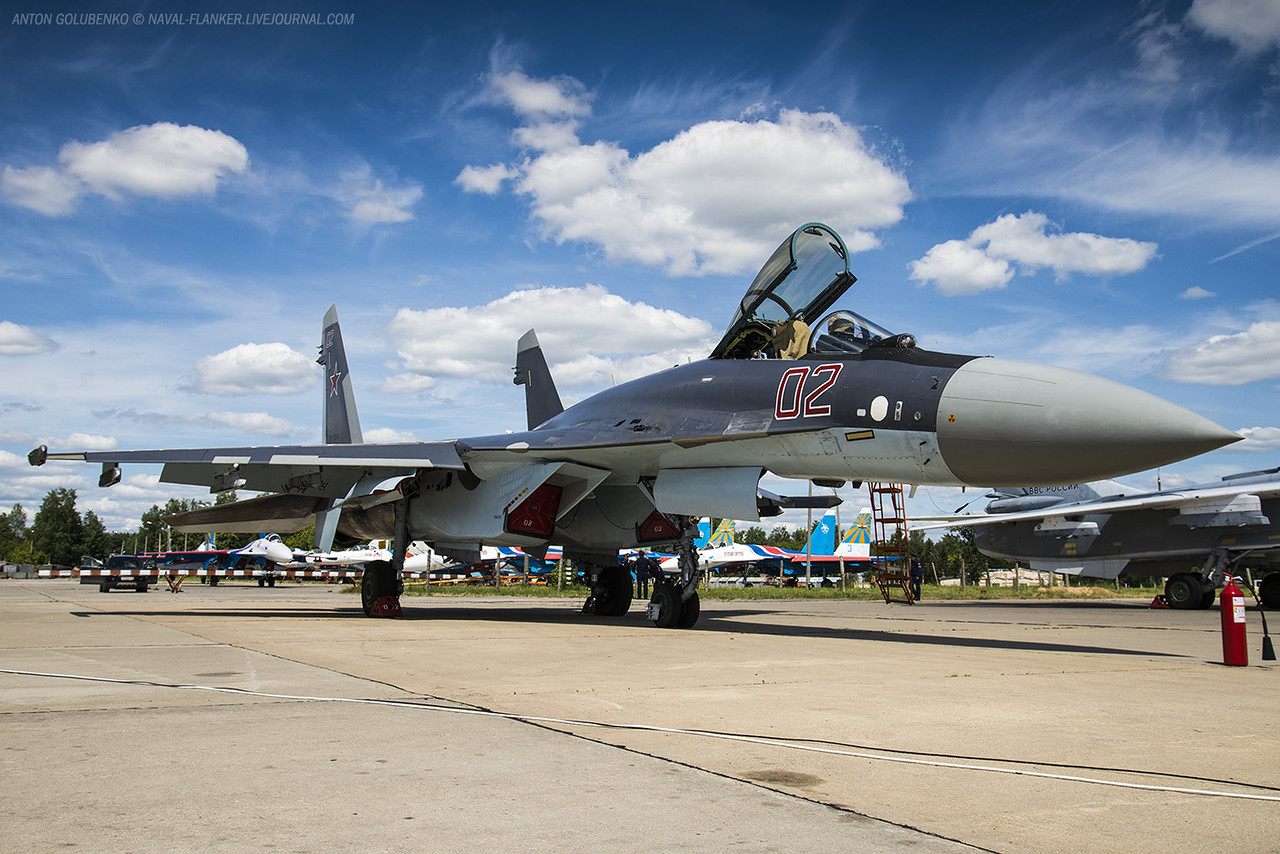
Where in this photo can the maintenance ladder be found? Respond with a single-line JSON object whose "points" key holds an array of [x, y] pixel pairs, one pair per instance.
{"points": [[892, 546]]}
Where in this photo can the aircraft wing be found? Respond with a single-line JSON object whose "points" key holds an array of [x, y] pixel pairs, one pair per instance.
{"points": [[327, 471], [1193, 501]]}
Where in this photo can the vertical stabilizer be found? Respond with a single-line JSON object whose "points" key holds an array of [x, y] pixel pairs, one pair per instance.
{"points": [[541, 400], [341, 423], [724, 534], [856, 542], [822, 539]]}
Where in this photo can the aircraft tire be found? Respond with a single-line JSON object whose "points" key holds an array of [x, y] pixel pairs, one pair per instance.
{"points": [[1269, 591], [262, 582], [689, 612], [271, 582], [103, 588], [1207, 597], [372, 585], [667, 596], [379, 579], [613, 592], [1183, 591], [142, 588]]}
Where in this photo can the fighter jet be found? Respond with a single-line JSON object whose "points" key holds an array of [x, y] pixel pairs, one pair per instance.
{"points": [[790, 389], [1194, 536]]}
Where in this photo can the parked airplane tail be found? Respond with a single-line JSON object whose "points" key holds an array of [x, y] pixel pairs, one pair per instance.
{"points": [[723, 535], [856, 543], [822, 539], [341, 423], [541, 399]]}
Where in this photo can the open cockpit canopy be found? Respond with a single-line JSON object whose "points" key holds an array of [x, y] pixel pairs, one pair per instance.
{"points": [[779, 316], [800, 281]]}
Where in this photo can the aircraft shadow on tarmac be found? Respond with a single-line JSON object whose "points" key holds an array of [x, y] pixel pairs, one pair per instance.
{"points": [[730, 621]]}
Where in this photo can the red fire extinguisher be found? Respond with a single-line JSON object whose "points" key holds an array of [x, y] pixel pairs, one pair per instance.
{"points": [[1235, 650]]}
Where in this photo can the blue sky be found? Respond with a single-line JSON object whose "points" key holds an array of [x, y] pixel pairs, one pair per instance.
{"points": [[1094, 185]]}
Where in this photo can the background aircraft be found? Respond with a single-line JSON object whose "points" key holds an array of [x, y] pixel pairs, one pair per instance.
{"points": [[790, 389], [1192, 536]]}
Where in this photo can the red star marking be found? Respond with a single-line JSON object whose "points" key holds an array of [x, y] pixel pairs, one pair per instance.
{"points": [[333, 381]]}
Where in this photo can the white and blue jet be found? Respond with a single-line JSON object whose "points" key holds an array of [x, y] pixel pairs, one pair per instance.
{"points": [[793, 388]]}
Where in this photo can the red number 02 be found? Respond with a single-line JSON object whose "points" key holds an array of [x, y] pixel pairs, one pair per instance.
{"points": [[793, 402]]}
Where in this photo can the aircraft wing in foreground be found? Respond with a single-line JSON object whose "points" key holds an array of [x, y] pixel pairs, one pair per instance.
{"points": [[792, 388]]}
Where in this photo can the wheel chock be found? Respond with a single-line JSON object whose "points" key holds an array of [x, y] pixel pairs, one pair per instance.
{"points": [[589, 606], [386, 606], [1159, 602]]}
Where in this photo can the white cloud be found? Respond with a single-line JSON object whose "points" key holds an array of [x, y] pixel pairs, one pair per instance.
{"points": [[716, 198], [89, 442], [560, 97], [960, 267], [1251, 25], [406, 384], [18, 340], [1196, 292], [387, 434], [370, 202], [981, 261], [255, 369], [80, 442], [484, 179], [161, 160], [261, 423], [1235, 359], [589, 336], [43, 189], [1260, 439]]}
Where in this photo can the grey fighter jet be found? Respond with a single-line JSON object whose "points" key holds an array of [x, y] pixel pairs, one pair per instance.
{"points": [[790, 389], [1193, 536]]}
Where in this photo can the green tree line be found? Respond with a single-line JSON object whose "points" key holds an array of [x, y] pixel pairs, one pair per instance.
{"points": [[60, 535]]}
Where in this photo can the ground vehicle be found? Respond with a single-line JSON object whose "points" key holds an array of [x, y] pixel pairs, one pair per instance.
{"points": [[119, 571]]}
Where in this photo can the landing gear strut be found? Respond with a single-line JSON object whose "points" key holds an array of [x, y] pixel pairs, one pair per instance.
{"points": [[674, 604]]}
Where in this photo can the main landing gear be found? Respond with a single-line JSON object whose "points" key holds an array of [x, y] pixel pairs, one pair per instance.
{"points": [[1191, 590]]}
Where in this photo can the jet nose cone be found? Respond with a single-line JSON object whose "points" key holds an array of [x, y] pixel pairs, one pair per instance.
{"points": [[1005, 423]]}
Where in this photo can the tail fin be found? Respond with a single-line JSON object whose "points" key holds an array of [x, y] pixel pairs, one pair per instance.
{"points": [[857, 540], [341, 423], [724, 534], [822, 539], [541, 400]]}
